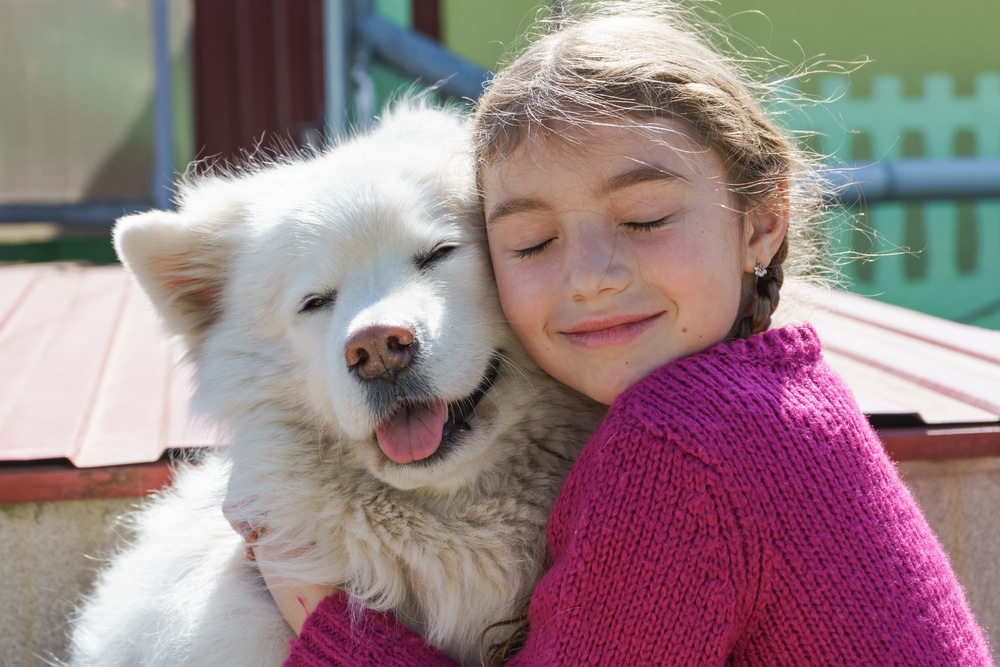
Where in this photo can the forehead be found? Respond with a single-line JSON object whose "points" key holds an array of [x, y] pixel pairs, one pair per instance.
{"points": [[602, 156], [606, 140]]}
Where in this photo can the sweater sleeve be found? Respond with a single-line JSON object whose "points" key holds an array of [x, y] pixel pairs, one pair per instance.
{"points": [[330, 637], [649, 569]]}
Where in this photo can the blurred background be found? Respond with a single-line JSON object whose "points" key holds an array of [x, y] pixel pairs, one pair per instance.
{"points": [[80, 142]]}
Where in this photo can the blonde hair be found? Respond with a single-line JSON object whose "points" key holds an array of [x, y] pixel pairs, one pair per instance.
{"points": [[636, 60]]}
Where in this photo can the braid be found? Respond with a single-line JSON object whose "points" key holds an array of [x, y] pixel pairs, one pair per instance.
{"points": [[764, 297], [496, 654]]}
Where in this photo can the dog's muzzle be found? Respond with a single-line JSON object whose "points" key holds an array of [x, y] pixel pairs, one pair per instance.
{"points": [[419, 430]]}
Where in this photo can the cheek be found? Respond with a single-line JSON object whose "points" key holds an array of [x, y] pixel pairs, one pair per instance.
{"points": [[509, 282], [511, 290]]}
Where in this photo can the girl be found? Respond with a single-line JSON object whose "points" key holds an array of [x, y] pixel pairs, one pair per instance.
{"points": [[734, 507]]}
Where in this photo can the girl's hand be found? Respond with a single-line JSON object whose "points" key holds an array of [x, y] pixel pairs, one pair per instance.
{"points": [[295, 601]]}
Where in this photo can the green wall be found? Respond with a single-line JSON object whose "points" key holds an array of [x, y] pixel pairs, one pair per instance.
{"points": [[483, 30], [910, 38]]}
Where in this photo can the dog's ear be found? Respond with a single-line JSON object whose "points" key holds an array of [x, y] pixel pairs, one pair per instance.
{"points": [[179, 263]]}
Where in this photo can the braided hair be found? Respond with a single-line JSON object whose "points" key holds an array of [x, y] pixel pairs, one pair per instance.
{"points": [[763, 297]]}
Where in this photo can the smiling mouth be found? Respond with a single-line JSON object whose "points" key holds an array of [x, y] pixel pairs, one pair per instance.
{"points": [[613, 331], [596, 326], [423, 431]]}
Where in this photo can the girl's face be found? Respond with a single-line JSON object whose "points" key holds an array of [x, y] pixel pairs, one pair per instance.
{"points": [[618, 252]]}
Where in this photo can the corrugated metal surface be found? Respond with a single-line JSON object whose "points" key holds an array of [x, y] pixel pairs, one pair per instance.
{"points": [[86, 375], [930, 386], [902, 362]]}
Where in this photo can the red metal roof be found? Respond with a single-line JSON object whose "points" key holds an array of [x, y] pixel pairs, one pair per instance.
{"points": [[86, 375], [899, 361]]}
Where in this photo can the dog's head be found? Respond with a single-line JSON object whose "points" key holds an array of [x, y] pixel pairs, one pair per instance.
{"points": [[345, 293]]}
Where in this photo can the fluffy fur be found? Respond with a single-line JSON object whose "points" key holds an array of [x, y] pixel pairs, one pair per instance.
{"points": [[270, 276]]}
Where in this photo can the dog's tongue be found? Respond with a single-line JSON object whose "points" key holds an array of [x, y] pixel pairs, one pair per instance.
{"points": [[412, 434]]}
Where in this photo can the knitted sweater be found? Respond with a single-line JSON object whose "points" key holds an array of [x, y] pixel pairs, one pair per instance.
{"points": [[734, 508]]}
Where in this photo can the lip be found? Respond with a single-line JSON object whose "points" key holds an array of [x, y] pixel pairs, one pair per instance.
{"points": [[610, 331]]}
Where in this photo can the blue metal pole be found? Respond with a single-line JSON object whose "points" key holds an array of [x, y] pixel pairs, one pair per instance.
{"points": [[336, 62], [916, 180], [91, 214], [418, 57], [162, 178]]}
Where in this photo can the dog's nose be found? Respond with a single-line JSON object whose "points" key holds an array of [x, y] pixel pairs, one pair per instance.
{"points": [[380, 351]]}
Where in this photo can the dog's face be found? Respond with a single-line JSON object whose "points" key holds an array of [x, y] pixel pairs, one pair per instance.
{"points": [[344, 293]]}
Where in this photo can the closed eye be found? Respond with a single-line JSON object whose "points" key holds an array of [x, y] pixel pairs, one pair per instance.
{"points": [[525, 253], [314, 302], [647, 226], [424, 262]]}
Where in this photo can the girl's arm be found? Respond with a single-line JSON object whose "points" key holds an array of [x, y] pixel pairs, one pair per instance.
{"points": [[295, 602], [649, 568]]}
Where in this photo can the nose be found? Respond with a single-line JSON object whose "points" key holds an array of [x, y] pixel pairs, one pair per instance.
{"points": [[598, 263], [380, 351]]}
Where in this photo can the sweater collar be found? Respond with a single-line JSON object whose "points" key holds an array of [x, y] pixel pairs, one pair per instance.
{"points": [[773, 350]]}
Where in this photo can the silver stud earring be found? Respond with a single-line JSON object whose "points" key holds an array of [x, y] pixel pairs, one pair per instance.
{"points": [[759, 270]]}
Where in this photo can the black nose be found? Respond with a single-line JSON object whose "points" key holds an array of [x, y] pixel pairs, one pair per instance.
{"points": [[380, 351]]}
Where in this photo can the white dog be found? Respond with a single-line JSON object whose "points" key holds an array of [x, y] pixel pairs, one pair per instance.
{"points": [[384, 425]]}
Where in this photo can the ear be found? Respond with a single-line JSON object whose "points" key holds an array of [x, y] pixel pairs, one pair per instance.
{"points": [[180, 264], [767, 225]]}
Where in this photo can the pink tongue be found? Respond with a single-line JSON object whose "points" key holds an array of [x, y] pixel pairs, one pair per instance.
{"points": [[413, 434]]}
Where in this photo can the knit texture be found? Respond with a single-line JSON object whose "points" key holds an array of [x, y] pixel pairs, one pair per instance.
{"points": [[734, 508]]}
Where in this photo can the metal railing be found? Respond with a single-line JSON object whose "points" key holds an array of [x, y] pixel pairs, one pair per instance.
{"points": [[916, 180], [422, 59]]}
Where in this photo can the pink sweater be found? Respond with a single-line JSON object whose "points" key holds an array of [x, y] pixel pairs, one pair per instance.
{"points": [[734, 508]]}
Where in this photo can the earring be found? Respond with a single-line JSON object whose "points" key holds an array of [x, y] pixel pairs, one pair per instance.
{"points": [[759, 270]]}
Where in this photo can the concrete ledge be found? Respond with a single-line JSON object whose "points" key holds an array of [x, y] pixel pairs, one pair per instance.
{"points": [[49, 556], [58, 524], [960, 499]]}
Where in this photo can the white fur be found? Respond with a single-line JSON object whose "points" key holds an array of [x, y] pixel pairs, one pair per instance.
{"points": [[452, 544]]}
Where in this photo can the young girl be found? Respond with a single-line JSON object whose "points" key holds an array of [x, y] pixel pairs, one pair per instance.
{"points": [[735, 507]]}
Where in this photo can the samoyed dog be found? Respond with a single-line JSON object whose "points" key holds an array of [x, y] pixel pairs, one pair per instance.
{"points": [[382, 422]]}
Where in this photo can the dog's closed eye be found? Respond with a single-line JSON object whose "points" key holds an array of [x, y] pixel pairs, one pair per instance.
{"points": [[428, 260]]}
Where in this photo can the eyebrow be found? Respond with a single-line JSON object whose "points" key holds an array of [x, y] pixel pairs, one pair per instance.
{"points": [[642, 174], [513, 206]]}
